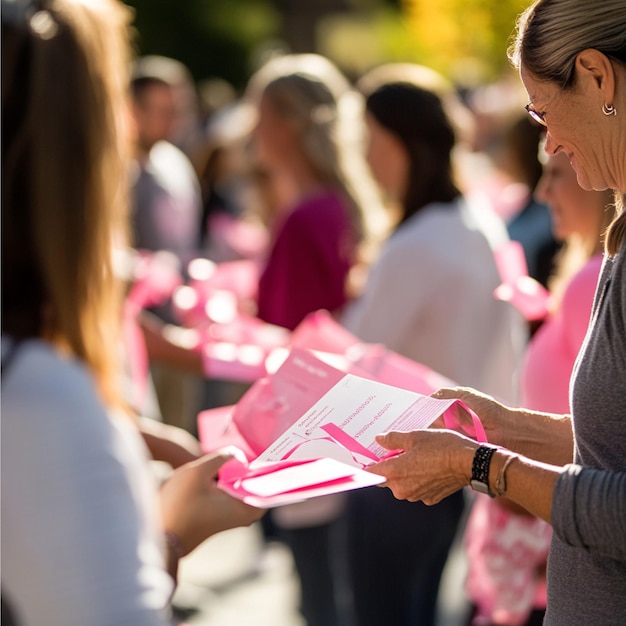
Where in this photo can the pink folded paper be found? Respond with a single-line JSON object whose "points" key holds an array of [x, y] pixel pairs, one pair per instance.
{"points": [[216, 292], [310, 429], [321, 333], [526, 294], [237, 351], [217, 430]]}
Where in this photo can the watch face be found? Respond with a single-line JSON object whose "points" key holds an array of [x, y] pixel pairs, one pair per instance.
{"points": [[481, 487]]}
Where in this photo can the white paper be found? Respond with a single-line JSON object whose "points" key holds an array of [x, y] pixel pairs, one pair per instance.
{"points": [[361, 408]]}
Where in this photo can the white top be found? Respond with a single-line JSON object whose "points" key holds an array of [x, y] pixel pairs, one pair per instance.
{"points": [[429, 297], [81, 542]]}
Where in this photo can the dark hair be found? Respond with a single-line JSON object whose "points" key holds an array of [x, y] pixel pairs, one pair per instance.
{"points": [[522, 136], [417, 117], [141, 84]]}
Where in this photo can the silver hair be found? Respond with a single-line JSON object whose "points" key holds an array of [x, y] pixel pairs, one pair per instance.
{"points": [[551, 33]]}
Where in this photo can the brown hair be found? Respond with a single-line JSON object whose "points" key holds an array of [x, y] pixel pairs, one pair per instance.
{"points": [[63, 198], [417, 110]]}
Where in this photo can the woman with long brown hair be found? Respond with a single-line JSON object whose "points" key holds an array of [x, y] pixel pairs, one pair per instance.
{"points": [[86, 536]]}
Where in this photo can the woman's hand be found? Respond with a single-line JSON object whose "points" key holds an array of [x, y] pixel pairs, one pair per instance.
{"points": [[434, 464], [194, 507], [495, 417], [167, 443], [545, 437]]}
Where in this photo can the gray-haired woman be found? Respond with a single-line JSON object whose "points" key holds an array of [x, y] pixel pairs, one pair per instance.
{"points": [[568, 469]]}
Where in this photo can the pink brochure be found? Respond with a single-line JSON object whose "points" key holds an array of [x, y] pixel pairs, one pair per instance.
{"points": [[312, 430], [526, 294]]}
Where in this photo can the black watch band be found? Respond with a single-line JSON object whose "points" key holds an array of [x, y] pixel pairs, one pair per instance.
{"points": [[480, 469]]}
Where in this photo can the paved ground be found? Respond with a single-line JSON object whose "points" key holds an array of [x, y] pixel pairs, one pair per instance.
{"points": [[234, 580]]}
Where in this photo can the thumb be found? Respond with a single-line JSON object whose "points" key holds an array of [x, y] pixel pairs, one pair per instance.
{"points": [[210, 464], [392, 440]]}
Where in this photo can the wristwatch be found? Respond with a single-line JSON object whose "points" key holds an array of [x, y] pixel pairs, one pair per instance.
{"points": [[480, 469]]}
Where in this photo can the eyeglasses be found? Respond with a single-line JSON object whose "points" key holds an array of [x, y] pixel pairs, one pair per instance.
{"points": [[540, 118]]}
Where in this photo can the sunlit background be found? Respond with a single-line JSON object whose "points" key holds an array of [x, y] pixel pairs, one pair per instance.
{"points": [[227, 39]]}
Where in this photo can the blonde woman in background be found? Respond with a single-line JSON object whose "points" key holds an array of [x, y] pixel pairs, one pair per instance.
{"points": [[308, 140]]}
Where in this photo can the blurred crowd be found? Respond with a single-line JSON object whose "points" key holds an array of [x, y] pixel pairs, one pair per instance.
{"points": [[386, 200]]}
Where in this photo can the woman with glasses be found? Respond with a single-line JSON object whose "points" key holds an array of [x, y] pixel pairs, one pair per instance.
{"points": [[568, 469]]}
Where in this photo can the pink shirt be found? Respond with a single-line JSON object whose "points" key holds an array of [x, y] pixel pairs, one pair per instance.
{"points": [[550, 357], [309, 262]]}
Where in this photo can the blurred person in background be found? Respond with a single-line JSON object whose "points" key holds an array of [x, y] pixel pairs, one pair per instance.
{"points": [[166, 210], [503, 169], [309, 142], [507, 547], [531, 224], [166, 193], [86, 536], [307, 139], [429, 297]]}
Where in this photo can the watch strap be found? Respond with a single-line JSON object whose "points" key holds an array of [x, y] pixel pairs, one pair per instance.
{"points": [[480, 469]]}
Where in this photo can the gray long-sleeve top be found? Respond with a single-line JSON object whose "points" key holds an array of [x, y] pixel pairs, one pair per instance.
{"points": [[587, 563]]}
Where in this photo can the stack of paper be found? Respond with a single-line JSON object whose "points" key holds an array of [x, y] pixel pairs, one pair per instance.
{"points": [[309, 430]]}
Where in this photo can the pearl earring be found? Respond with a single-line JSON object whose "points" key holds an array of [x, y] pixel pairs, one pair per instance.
{"points": [[609, 109]]}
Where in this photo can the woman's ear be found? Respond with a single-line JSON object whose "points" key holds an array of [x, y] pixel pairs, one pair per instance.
{"points": [[597, 67]]}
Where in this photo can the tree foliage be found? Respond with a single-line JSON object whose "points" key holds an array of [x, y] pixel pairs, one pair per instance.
{"points": [[464, 39], [456, 35], [213, 38]]}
